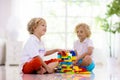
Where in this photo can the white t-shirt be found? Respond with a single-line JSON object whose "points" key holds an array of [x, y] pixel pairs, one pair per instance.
{"points": [[32, 48], [82, 47]]}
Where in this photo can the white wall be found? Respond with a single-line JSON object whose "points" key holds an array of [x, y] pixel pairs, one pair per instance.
{"points": [[11, 12], [5, 12]]}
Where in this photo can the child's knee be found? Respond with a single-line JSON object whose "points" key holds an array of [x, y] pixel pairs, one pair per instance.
{"points": [[87, 58]]}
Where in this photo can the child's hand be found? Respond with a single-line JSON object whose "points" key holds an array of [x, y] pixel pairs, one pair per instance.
{"points": [[75, 62], [41, 71], [61, 50]]}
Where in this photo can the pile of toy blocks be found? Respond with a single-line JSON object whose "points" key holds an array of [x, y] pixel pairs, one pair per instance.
{"points": [[66, 59]]}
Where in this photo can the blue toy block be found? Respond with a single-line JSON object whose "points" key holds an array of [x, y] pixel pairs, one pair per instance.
{"points": [[66, 63], [59, 56], [73, 53]]}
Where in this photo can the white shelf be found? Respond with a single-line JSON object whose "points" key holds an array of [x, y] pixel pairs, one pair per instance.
{"points": [[13, 52]]}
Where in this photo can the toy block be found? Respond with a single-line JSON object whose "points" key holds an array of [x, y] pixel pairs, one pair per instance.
{"points": [[64, 56], [73, 58], [69, 63], [73, 53], [66, 59], [64, 66], [64, 53], [68, 68], [83, 69], [76, 68], [59, 56], [86, 72], [60, 60], [66, 63], [67, 71]]}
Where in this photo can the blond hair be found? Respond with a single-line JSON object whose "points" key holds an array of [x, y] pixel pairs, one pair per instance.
{"points": [[33, 23], [85, 27]]}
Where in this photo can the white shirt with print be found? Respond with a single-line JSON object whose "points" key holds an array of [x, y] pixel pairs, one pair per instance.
{"points": [[82, 47], [32, 48]]}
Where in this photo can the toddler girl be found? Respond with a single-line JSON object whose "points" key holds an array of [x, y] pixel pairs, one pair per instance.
{"points": [[84, 47]]}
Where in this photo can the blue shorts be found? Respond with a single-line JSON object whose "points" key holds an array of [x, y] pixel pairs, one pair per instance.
{"points": [[89, 67]]}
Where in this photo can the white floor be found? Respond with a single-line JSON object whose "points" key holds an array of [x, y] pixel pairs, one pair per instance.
{"points": [[110, 71]]}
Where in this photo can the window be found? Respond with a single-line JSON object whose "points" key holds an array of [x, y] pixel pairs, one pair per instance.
{"points": [[62, 16]]}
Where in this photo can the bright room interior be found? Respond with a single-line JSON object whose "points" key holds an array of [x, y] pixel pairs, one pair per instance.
{"points": [[62, 16]]}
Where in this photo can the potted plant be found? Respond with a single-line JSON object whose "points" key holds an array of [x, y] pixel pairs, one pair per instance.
{"points": [[109, 22]]}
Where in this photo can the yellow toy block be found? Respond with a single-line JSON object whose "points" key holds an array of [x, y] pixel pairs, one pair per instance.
{"points": [[76, 68], [68, 68], [64, 56], [73, 58], [86, 72]]}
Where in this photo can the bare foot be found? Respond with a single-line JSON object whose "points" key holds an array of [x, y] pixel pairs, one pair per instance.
{"points": [[50, 70], [41, 71], [52, 67]]}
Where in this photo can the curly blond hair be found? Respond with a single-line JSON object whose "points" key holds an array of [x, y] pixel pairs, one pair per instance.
{"points": [[33, 23], [85, 27]]}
